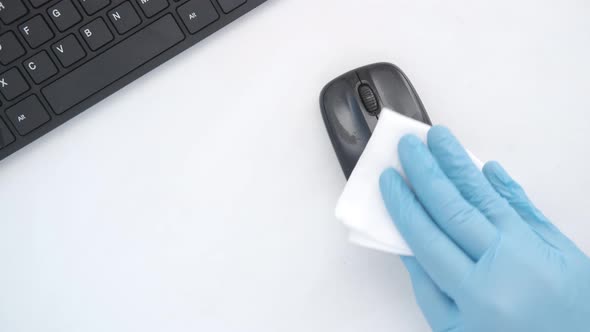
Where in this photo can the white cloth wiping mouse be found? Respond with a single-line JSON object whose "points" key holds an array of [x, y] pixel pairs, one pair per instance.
{"points": [[360, 206]]}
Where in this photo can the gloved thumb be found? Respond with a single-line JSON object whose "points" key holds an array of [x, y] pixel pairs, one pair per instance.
{"points": [[440, 311]]}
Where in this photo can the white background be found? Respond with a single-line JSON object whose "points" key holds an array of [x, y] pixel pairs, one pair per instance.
{"points": [[201, 197]]}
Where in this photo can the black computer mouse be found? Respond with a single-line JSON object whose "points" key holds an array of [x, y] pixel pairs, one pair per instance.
{"points": [[352, 102]]}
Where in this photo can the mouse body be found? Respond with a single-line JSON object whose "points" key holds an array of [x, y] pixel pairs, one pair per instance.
{"points": [[351, 105]]}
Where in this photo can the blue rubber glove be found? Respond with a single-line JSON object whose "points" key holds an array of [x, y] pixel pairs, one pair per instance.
{"points": [[485, 258]]}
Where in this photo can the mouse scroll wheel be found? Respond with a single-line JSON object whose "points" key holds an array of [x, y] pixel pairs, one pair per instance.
{"points": [[369, 98]]}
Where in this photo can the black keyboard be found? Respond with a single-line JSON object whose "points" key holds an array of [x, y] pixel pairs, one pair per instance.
{"points": [[60, 57]]}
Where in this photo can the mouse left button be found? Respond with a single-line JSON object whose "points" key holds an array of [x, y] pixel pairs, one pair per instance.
{"points": [[345, 120], [6, 136]]}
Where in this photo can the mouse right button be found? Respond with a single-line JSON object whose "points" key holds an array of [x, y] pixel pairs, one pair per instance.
{"points": [[394, 90]]}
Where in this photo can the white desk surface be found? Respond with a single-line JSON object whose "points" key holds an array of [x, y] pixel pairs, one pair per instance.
{"points": [[201, 197]]}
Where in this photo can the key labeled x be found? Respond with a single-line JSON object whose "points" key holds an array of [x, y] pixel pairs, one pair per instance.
{"points": [[12, 84]]}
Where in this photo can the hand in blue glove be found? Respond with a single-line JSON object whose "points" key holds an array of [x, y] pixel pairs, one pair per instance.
{"points": [[485, 258]]}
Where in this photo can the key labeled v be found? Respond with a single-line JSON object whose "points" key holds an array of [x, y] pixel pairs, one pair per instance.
{"points": [[60, 48]]}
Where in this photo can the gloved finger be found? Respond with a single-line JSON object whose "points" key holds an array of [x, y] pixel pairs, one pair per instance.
{"points": [[459, 219], [512, 192], [440, 311], [469, 180], [446, 263]]}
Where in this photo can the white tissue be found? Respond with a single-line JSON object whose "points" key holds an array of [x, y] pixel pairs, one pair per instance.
{"points": [[360, 206]]}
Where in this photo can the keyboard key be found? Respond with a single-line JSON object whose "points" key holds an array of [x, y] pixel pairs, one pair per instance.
{"points": [[229, 5], [36, 31], [40, 67], [27, 115], [197, 14], [64, 15], [11, 10], [113, 64], [6, 136], [38, 3], [12, 84], [10, 48], [96, 34], [68, 51], [92, 6], [152, 7], [124, 18]]}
